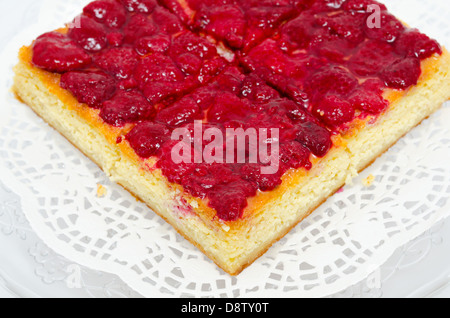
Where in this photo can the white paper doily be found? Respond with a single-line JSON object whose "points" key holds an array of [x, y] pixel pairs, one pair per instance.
{"points": [[342, 243]]}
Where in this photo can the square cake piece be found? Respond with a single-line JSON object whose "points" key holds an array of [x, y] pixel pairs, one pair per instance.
{"points": [[233, 127]]}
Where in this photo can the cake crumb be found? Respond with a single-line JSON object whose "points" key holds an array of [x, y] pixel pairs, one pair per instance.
{"points": [[369, 180], [101, 191], [353, 174], [194, 204]]}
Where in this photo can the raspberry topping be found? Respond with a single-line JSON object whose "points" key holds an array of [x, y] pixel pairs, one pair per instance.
{"points": [[126, 107], [325, 5], [362, 5], [184, 111], [138, 27], [330, 80], [115, 39], [371, 57], [412, 43], [142, 6], [227, 106], [167, 21], [190, 43], [226, 23], [368, 101], [263, 182], [315, 138], [201, 181], [158, 43], [119, 62], [54, 52], [88, 34], [92, 88], [230, 200], [159, 77], [346, 25], [334, 111], [391, 28], [294, 154], [241, 24], [174, 172], [109, 12], [147, 138], [303, 71], [402, 73]]}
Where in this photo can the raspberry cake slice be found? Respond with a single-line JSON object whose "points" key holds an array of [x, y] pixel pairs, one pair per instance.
{"points": [[126, 76]]}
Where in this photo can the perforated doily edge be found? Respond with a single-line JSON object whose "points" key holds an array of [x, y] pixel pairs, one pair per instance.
{"points": [[28, 200]]}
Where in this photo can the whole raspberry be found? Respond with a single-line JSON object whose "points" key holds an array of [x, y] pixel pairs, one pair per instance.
{"points": [[334, 111], [55, 52]]}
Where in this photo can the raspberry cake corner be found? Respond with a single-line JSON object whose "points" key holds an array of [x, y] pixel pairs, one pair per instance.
{"points": [[126, 74]]}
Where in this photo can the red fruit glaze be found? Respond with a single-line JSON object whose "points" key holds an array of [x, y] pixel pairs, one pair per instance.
{"points": [[371, 57], [304, 67], [334, 111], [109, 12], [126, 107], [330, 80], [368, 101], [158, 43], [115, 39], [167, 21], [174, 172], [346, 25], [157, 67], [402, 73], [190, 43], [159, 77], [241, 24], [412, 43], [391, 28], [184, 111], [54, 52], [263, 182], [119, 62], [147, 138], [138, 27], [230, 200], [331, 49], [362, 5], [88, 34], [92, 88], [323, 5], [141, 6], [176, 7], [227, 106], [314, 137], [227, 23], [294, 155]]}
